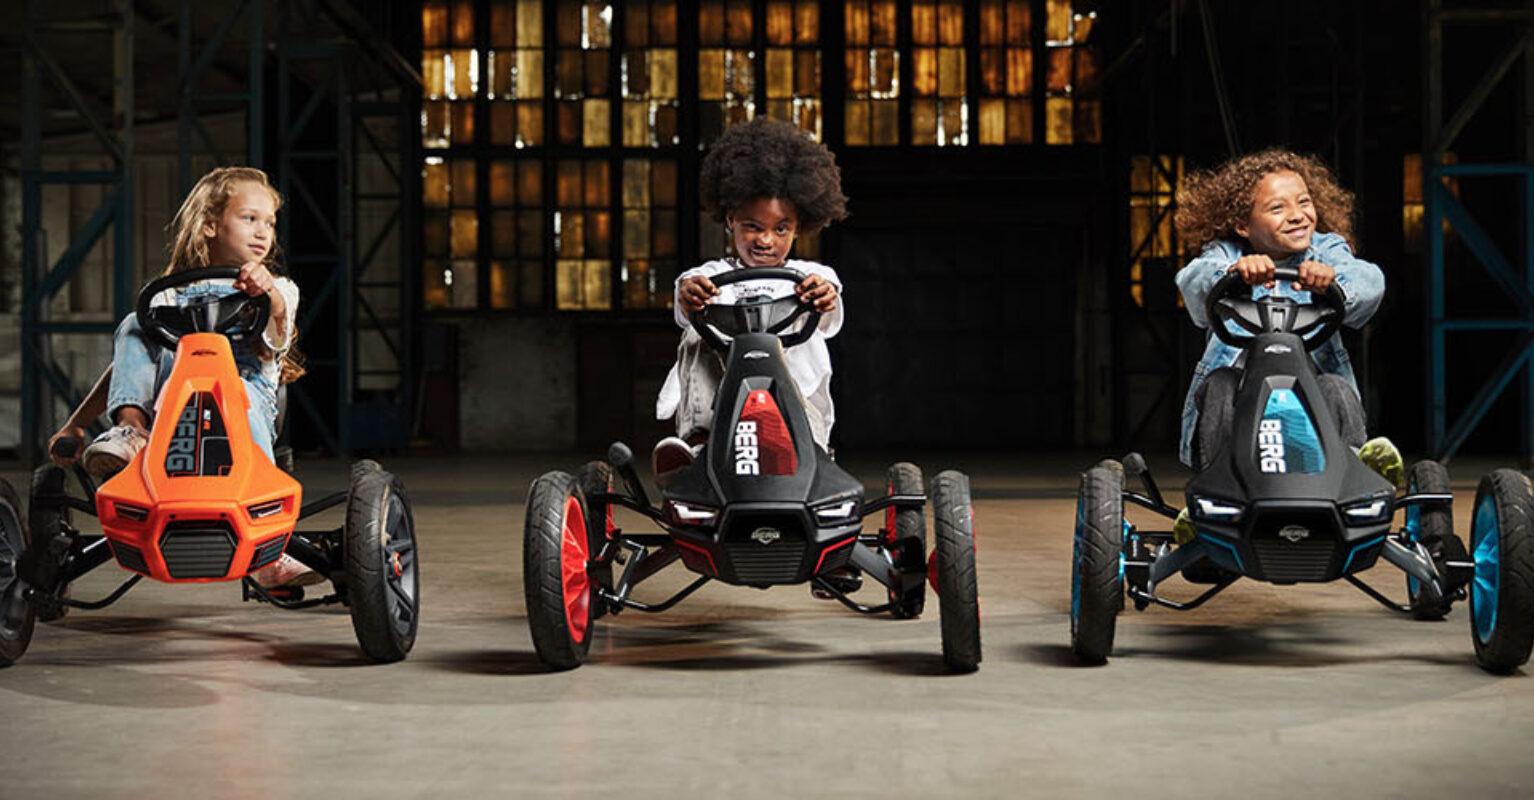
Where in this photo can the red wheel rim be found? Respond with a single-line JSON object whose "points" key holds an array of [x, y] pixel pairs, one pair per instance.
{"points": [[573, 556]]}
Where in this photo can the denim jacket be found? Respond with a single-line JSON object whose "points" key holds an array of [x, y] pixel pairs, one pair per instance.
{"points": [[1363, 286]]}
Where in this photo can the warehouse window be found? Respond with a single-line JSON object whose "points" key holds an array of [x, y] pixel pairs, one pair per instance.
{"points": [[556, 134], [1153, 238]]}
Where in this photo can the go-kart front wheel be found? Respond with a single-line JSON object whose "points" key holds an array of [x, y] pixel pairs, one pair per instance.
{"points": [[1097, 574], [16, 615], [598, 477], [1433, 526], [953, 520], [556, 576], [382, 563], [1502, 593], [906, 532]]}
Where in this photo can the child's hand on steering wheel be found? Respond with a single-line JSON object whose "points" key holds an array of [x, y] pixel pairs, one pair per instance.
{"points": [[695, 292], [1315, 276], [819, 292], [256, 279], [1255, 270]]}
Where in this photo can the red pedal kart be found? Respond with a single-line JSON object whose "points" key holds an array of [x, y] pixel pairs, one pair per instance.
{"points": [[762, 506], [201, 503]]}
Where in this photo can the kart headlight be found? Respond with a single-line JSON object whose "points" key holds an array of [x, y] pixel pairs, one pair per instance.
{"points": [[1217, 510], [693, 515], [131, 513], [834, 513], [1367, 512], [263, 510]]}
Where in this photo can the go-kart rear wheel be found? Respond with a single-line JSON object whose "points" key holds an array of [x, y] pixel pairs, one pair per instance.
{"points": [[1097, 565], [906, 532], [958, 592], [1347, 409], [1502, 593], [47, 515], [598, 477], [382, 563], [1433, 526], [16, 615], [1216, 415], [556, 556]]}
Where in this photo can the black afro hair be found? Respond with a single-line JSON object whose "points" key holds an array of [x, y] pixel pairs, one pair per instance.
{"points": [[771, 158]]}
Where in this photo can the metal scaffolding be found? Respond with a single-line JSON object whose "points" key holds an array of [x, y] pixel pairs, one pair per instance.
{"points": [[1442, 206], [42, 380], [195, 61]]}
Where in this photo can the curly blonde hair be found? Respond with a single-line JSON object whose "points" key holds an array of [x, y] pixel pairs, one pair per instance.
{"points": [[1211, 203], [189, 242]]}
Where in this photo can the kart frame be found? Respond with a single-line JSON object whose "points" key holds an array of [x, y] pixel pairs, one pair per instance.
{"points": [[1148, 558], [643, 555]]}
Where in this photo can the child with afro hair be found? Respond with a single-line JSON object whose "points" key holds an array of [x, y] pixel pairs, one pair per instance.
{"points": [[767, 183]]}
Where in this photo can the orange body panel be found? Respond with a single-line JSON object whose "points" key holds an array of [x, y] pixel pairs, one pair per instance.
{"points": [[201, 492]]}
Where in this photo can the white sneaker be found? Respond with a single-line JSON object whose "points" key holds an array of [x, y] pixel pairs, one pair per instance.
{"points": [[113, 450], [671, 454], [286, 571]]}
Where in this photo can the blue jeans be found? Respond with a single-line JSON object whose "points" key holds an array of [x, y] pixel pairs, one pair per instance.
{"points": [[140, 367]]}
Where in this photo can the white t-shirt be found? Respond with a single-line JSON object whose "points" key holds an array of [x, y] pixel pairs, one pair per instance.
{"points": [[809, 364]]}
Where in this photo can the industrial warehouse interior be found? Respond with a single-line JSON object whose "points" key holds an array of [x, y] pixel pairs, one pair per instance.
{"points": [[766, 398]]}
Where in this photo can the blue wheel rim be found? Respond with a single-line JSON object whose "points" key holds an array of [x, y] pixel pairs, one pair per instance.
{"points": [[1076, 564], [1485, 549], [1413, 534]]}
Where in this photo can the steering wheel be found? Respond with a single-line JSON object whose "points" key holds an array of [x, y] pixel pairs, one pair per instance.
{"points": [[235, 315], [1314, 323], [756, 317]]}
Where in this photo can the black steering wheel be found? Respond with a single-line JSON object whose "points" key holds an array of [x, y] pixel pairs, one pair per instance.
{"points": [[771, 316], [235, 315], [1314, 323]]}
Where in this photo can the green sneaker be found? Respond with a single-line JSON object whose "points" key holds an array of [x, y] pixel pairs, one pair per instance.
{"points": [[1182, 528], [1381, 455]]}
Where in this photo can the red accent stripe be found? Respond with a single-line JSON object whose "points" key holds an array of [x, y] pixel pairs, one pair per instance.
{"points": [[831, 549], [695, 548], [774, 442]]}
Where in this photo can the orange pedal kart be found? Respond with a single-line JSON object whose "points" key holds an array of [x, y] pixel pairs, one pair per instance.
{"points": [[202, 503]]}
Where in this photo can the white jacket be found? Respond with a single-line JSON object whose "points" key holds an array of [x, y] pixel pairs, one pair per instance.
{"points": [[809, 364]]}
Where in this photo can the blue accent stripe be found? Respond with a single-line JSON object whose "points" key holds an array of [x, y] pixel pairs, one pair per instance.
{"points": [[1302, 445], [1228, 546], [1360, 547]]}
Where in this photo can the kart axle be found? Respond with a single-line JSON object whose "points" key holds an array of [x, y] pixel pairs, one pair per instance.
{"points": [[825, 586], [103, 602], [1142, 597], [615, 602]]}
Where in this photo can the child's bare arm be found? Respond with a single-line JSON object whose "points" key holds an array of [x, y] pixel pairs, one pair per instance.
{"points": [[93, 406]]}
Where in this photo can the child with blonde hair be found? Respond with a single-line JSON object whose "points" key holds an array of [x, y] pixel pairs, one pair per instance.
{"points": [[228, 219]]}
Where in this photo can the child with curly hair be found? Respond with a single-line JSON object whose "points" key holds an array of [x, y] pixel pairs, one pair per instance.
{"points": [[1253, 215], [767, 183]]}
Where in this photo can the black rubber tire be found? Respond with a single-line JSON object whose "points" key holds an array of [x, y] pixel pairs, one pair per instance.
{"points": [[1347, 410], [1435, 530], [558, 645], [1216, 415], [15, 537], [1097, 585], [385, 603], [907, 530], [1512, 636], [594, 477], [46, 513], [958, 590]]}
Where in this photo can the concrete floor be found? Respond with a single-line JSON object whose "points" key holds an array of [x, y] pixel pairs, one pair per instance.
{"points": [[1267, 691]]}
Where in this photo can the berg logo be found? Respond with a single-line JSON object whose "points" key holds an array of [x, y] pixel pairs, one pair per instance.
{"points": [[181, 456], [1270, 446], [747, 450]]}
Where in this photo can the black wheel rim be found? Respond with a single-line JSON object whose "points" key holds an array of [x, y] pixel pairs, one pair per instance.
{"points": [[11, 545], [401, 576]]}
